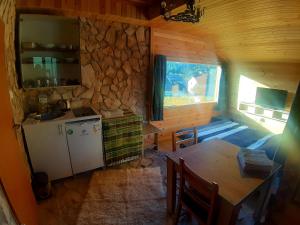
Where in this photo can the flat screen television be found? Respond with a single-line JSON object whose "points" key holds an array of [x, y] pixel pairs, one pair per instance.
{"points": [[271, 98]]}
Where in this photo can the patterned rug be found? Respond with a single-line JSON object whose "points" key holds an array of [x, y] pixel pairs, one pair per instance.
{"points": [[132, 196]]}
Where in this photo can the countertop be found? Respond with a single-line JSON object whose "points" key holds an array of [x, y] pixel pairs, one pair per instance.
{"points": [[68, 117]]}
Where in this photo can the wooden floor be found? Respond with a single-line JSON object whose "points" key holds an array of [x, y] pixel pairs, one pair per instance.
{"points": [[69, 196], [165, 145]]}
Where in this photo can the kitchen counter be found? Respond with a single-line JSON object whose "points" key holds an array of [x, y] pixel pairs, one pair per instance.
{"points": [[68, 117]]}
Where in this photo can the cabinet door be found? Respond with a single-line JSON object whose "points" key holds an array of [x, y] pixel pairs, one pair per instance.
{"points": [[85, 146], [48, 150]]}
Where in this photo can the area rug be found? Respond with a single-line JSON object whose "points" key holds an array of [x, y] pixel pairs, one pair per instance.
{"points": [[124, 197]]}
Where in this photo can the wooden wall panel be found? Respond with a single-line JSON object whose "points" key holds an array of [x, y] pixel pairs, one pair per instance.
{"points": [[176, 118], [186, 48], [179, 47], [129, 11], [274, 75]]}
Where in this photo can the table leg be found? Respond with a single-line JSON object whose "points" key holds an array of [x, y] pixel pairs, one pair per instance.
{"points": [[266, 195], [235, 215], [171, 186]]}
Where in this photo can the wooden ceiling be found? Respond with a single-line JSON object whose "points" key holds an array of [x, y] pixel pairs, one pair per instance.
{"points": [[239, 30], [246, 30]]}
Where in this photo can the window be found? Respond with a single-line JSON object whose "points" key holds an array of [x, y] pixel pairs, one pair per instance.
{"points": [[190, 83], [247, 90], [246, 105]]}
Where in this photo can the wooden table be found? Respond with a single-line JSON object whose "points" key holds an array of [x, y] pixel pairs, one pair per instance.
{"points": [[217, 161]]}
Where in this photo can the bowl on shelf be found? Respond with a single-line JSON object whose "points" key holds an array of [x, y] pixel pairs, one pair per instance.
{"points": [[30, 45], [48, 45]]}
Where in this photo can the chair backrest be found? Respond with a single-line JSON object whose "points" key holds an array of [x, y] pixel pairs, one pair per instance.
{"points": [[176, 140], [203, 193]]}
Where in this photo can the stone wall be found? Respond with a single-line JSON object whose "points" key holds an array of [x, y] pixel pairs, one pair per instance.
{"points": [[114, 66]]}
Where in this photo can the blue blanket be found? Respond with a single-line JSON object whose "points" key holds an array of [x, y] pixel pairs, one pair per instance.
{"points": [[241, 135]]}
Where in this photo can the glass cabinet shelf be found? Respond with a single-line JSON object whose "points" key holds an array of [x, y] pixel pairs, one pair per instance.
{"points": [[65, 63], [49, 51], [39, 49]]}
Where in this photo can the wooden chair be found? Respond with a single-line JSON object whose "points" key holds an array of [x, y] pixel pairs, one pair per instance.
{"points": [[198, 196], [177, 141]]}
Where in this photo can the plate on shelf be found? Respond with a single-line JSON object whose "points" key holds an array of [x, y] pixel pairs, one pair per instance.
{"points": [[49, 45], [30, 45]]}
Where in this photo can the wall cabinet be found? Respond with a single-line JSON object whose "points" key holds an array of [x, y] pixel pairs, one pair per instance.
{"points": [[48, 51], [48, 149]]}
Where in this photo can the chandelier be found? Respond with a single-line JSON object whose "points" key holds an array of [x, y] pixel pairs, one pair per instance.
{"points": [[192, 14]]}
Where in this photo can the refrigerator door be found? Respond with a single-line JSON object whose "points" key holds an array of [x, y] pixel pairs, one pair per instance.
{"points": [[85, 145]]}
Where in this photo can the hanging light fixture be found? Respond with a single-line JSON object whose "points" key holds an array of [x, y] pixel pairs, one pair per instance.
{"points": [[192, 14]]}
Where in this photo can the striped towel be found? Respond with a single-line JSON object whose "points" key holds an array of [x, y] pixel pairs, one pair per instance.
{"points": [[123, 138]]}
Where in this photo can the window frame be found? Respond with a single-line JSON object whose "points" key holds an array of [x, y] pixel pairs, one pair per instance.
{"points": [[216, 92]]}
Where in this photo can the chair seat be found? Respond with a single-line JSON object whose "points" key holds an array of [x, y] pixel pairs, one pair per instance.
{"points": [[194, 208]]}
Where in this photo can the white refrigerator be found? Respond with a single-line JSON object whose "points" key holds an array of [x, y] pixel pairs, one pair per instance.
{"points": [[84, 140]]}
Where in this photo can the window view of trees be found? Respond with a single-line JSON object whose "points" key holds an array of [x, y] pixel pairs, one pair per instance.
{"points": [[190, 83]]}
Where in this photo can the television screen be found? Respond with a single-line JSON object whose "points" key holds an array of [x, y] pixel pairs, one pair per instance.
{"points": [[271, 98]]}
